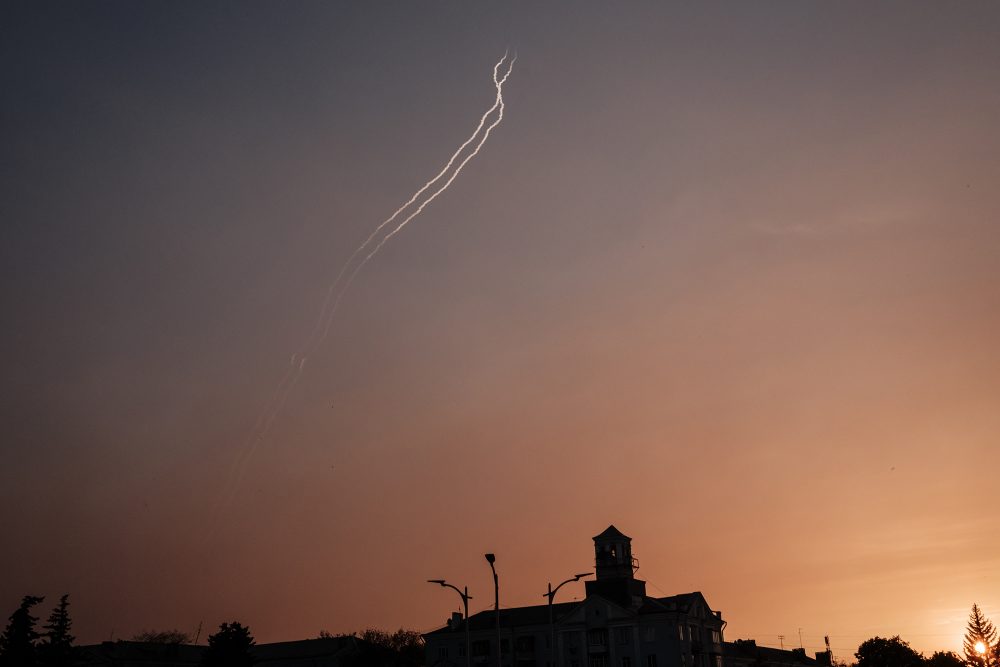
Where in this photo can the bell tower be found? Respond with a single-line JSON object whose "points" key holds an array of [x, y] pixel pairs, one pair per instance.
{"points": [[613, 554], [615, 567]]}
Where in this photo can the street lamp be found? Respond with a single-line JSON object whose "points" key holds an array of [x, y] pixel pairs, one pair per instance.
{"points": [[491, 559], [551, 594], [465, 601]]}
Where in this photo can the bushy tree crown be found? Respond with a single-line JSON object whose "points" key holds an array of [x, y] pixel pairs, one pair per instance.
{"points": [[229, 647]]}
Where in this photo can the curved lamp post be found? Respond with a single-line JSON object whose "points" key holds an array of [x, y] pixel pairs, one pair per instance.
{"points": [[465, 602], [491, 559], [551, 594]]}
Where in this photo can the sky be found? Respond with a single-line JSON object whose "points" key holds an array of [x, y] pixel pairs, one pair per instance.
{"points": [[727, 276]]}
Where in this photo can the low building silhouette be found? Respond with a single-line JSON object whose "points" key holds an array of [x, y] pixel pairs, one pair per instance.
{"points": [[616, 625], [344, 651], [746, 653]]}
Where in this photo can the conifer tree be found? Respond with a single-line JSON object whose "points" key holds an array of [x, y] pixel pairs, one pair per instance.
{"points": [[229, 647], [980, 630], [17, 643], [56, 649]]}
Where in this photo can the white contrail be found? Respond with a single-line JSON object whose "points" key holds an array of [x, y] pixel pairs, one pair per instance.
{"points": [[498, 104], [357, 251], [276, 403], [259, 428], [458, 170]]}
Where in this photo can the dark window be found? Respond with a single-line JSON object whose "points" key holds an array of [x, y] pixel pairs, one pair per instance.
{"points": [[623, 635], [651, 660], [481, 647], [598, 660], [626, 661], [525, 643], [443, 652], [505, 646], [597, 637]]}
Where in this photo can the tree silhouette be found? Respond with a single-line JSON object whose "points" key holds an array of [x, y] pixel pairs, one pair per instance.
{"points": [[944, 659], [402, 648], [17, 643], [56, 649], [979, 629], [892, 652], [162, 637], [229, 647]]}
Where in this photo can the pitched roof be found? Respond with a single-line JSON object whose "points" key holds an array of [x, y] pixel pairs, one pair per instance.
{"points": [[612, 533], [513, 617], [118, 652], [324, 647], [539, 614]]}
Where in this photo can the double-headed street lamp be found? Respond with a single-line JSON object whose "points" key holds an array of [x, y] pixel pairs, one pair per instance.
{"points": [[491, 559], [551, 594], [465, 601]]}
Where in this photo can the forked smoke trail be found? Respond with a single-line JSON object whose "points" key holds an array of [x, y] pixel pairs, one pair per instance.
{"points": [[264, 428], [325, 316], [331, 303], [259, 428], [457, 171], [498, 104]]}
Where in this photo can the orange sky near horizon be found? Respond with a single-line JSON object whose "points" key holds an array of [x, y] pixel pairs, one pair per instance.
{"points": [[727, 276]]}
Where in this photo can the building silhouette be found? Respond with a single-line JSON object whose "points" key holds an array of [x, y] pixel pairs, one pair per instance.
{"points": [[616, 625]]}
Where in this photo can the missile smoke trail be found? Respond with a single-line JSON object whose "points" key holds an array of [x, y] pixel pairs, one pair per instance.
{"points": [[334, 295], [325, 316], [498, 104]]}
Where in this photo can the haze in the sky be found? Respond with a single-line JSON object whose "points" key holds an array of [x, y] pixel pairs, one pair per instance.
{"points": [[727, 275]]}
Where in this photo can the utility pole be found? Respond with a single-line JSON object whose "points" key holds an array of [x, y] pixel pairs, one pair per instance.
{"points": [[781, 638]]}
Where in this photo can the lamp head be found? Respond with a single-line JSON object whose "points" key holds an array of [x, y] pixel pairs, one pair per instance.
{"points": [[436, 581], [578, 577], [490, 558]]}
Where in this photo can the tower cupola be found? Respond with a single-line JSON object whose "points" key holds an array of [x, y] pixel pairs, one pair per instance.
{"points": [[615, 567], [613, 554]]}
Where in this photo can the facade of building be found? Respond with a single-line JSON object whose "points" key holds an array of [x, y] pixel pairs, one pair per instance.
{"points": [[616, 625]]}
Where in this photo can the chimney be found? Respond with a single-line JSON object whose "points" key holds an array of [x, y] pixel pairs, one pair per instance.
{"points": [[455, 622]]}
